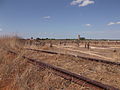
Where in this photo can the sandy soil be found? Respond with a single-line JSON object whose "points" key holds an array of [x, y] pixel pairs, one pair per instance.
{"points": [[17, 74], [107, 74], [105, 54]]}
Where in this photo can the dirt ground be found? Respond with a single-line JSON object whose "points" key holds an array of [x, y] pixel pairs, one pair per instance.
{"points": [[107, 74], [18, 74], [111, 54]]}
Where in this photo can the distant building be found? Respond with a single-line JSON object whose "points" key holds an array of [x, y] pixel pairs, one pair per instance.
{"points": [[78, 37]]}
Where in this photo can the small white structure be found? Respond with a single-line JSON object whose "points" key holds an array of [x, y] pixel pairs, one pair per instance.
{"points": [[78, 37]]}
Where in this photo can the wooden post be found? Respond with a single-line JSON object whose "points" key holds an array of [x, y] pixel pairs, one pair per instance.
{"points": [[85, 44], [50, 44], [88, 45]]}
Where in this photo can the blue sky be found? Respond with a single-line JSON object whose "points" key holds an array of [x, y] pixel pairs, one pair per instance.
{"points": [[61, 18]]}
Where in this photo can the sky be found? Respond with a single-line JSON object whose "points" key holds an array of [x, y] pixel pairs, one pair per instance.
{"points": [[93, 19]]}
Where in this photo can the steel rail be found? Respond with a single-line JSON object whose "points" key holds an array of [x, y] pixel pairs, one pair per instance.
{"points": [[78, 79], [72, 76], [84, 58]]}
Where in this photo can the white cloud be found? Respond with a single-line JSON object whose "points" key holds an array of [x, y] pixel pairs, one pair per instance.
{"points": [[113, 23], [117, 22], [47, 17], [0, 29], [88, 25], [85, 3], [82, 3], [75, 2]]}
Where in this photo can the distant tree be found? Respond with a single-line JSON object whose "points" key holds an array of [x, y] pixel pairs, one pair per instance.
{"points": [[46, 38], [38, 39], [82, 38], [31, 37]]}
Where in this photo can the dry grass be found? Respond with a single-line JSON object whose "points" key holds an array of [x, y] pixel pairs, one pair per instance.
{"points": [[17, 74], [11, 42], [107, 74]]}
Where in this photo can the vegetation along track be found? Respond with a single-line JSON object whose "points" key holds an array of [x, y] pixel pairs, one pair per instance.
{"points": [[85, 58], [70, 76]]}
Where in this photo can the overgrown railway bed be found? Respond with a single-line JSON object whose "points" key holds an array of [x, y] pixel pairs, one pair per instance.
{"points": [[94, 85], [101, 72], [85, 58]]}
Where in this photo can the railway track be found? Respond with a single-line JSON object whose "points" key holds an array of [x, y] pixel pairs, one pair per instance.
{"points": [[81, 80], [84, 58]]}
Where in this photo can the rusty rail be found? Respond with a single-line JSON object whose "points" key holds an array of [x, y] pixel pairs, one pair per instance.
{"points": [[72, 76], [78, 79], [85, 58]]}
